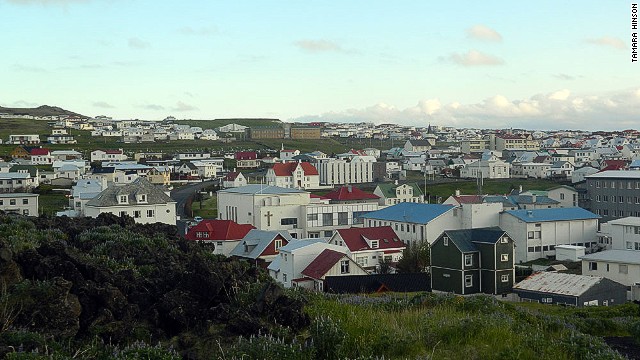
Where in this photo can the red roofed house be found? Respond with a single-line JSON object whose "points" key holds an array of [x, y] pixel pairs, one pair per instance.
{"points": [[108, 155], [606, 165], [41, 156], [223, 234], [330, 263], [297, 175], [369, 246], [247, 159], [350, 194], [234, 179]]}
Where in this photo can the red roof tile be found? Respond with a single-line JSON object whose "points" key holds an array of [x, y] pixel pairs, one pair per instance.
{"points": [[287, 169], [246, 155], [219, 230], [349, 192], [39, 151], [231, 176], [322, 264], [468, 199], [354, 238], [113, 151]]}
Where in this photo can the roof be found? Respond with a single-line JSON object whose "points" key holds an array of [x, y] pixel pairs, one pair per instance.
{"points": [[322, 263], [468, 199], [287, 169], [39, 151], [297, 244], [389, 190], [465, 239], [246, 155], [630, 220], [420, 142], [259, 189], [348, 192], [560, 214], [231, 176], [615, 174], [17, 195], [558, 283], [616, 256], [355, 284], [219, 230], [409, 212], [258, 240], [356, 238], [110, 195], [529, 199]]}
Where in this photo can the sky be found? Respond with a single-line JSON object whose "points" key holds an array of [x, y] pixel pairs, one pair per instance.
{"points": [[484, 64]]}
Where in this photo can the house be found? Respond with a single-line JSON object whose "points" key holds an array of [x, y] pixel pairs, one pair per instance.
{"points": [[288, 154], [419, 145], [298, 175], [223, 235], [561, 170], [83, 191], [473, 261], [63, 155], [391, 194], [570, 289], [19, 203], [341, 172], [21, 152], [261, 246], [41, 156], [24, 139], [108, 155], [188, 169], [486, 169], [294, 257], [377, 283], [234, 179], [140, 199], [537, 232], [61, 139], [329, 263], [247, 159], [159, 175], [415, 222], [370, 246], [567, 196]]}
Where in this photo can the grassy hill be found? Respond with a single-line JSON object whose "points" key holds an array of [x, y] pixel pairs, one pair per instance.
{"points": [[44, 110]]}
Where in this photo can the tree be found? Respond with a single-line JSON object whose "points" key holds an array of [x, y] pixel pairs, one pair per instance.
{"points": [[415, 258]]}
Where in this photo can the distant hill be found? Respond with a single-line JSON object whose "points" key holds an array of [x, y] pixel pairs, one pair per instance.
{"points": [[44, 110]]}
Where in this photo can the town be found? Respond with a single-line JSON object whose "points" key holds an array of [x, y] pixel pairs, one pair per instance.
{"points": [[335, 222]]}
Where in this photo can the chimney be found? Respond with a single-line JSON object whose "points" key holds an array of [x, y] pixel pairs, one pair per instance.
{"points": [[395, 182], [533, 198], [519, 189], [529, 213], [457, 192], [349, 189]]}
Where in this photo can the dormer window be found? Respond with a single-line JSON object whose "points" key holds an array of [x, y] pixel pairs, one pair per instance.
{"points": [[374, 244], [123, 199], [445, 241], [142, 198]]}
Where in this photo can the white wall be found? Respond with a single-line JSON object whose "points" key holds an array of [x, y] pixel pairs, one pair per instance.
{"points": [[632, 276]]}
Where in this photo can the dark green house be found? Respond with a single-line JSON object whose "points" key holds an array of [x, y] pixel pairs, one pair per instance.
{"points": [[473, 261]]}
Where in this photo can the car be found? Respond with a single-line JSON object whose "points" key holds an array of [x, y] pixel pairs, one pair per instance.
{"points": [[197, 219]]}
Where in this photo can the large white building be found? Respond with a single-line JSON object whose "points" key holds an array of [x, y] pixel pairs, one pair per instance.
{"points": [[275, 208], [297, 175], [537, 232], [108, 155], [339, 172], [19, 203], [139, 199], [487, 169]]}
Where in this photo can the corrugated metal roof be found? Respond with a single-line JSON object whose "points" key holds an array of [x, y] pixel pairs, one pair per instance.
{"points": [[261, 189], [615, 174], [560, 214], [409, 212], [558, 283]]}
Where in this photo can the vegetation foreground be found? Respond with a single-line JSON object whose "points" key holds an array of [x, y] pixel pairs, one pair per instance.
{"points": [[108, 288]]}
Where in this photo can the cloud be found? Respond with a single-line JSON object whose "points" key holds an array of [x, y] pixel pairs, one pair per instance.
{"points": [[559, 109], [481, 32], [180, 106], [202, 31], [318, 46], [136, 43], [152, 107], [564, 77], [609, 42], [22, 104], [102, 104], [474, 58], [27, 68]]}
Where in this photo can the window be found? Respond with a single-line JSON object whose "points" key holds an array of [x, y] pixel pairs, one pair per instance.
{"points": [[142, 198], [343, 218], [123, 213], [277, 244], [289, 221], [445, 241], [25, 201], [12, 202], [344, 266], [561, 196], [25, 212], [374, 244], [328, 233], [468, 259], [151, 213], [137, 214], [504, 240], [504, 257], [284, 277], [504, 278], [327, 219], [362, 261], [468, 280], [593, 265], [623, 269], [122, 199], [312, 217]]}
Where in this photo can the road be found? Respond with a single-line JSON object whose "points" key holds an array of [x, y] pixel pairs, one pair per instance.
{"points": [[181, 195]]}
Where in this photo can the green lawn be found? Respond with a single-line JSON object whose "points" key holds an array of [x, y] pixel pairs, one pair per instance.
{"points": [[50, 203], [208, 209]]}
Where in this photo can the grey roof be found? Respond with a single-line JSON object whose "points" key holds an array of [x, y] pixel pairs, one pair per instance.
{"points": [[17, 195], [615, 256], [109, 196], [558, 283], [629, 220], [616, 174], [261, 189], [258, 240], [465, 239]]}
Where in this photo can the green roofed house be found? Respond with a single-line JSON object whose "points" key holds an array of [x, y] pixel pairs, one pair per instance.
{"points": [[391, 194], [473, 261]]}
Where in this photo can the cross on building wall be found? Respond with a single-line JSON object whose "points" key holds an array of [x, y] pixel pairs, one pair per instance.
{"points": [[268, 215]]}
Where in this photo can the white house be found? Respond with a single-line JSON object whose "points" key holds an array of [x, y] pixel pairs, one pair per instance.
{"points": [[298, 175], [370, 246], [328, 263], [537, 232], [487, 169], [139, 199], [340, 172], [208, 134], [234, 179], [567, 196], [19, 203], [24, 139], [108, 155]]}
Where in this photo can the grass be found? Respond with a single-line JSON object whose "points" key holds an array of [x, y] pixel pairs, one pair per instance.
{"points": [[453, 327], [52, 202], [208, 209]]}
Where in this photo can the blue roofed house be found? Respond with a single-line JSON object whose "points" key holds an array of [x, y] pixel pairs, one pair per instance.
{"points": [[537, 232], [415, 222]]}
